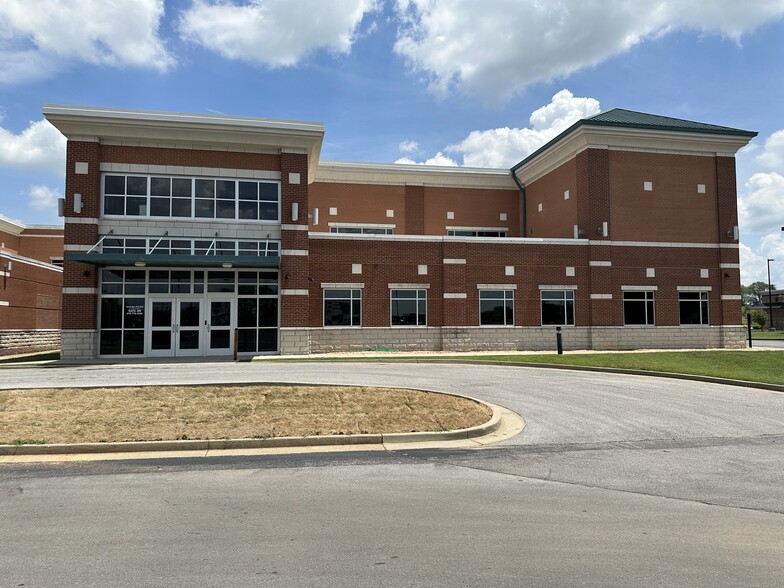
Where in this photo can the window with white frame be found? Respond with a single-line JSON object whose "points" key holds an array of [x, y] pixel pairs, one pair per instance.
{"points": [[638, 307], [455, 232], [496, 308], [693, 307], [408, 307], [360, 230], [182, 197], [557, 307], [342, 307]]}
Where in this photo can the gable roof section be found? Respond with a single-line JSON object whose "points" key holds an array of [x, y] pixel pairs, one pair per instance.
{"points": [[630, 119]]}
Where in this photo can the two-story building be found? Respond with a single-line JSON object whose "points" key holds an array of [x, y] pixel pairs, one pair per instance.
{"points": [[191, 234]]}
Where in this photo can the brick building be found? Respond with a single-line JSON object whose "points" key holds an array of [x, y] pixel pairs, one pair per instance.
{"points": [[193, 234], [31, 277]]}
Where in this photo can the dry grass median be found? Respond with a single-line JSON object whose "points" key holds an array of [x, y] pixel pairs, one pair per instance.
{"points": [[152, 413]]}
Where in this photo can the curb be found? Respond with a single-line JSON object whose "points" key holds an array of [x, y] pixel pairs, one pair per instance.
{"points": [[274, 442], [585, 368]]}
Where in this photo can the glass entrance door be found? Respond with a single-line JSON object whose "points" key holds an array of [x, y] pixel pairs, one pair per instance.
{"points": [[175, 327], [220, 319]]}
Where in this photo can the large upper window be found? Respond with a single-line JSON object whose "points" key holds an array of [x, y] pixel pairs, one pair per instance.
{"points": [[638, 308], [496, 307], [693, 307], [177, 197], [408, 307], [361, 230], [342, 308], [557, 307]]}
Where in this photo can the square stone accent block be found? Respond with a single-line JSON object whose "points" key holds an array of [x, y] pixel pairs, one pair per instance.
{"points": [[566, 194], [700, 188], [704, 273], [356, 268], [509, 270], [422, 270], [390, 213], [502, 216], [647, 186], [650, 272], [539, 208], [570, 271], [333, 211], [294, 178], [450, 215], [82, 168]]}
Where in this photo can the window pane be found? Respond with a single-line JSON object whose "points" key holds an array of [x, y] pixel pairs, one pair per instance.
{"points": [[133, 313], [137, 186], [268, 312], [111, 342], [111, 313], [337, 313], [181, 188], [136, 206], [268, 211], [249, 191], [114, 205], [114, 184], [553, 312], [246, 312], [247, 340], [268, 192], [160, 207], [226, 209], [205, 188], [160, 186], [249, 210], [205, 208], [181, 207], [634, 313], [690, 312], [224, 189], [133, 342]]}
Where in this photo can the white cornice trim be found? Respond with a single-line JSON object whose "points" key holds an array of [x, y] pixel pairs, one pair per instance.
{"points": [[348, 172], [628, 139], [29, 261], [189, 130]]}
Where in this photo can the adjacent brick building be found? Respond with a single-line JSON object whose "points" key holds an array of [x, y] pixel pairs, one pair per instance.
{"points": [[193, 235], [31, 277]]}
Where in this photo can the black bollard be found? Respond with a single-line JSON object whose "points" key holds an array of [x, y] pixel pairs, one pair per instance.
{"points": [[748, 327], [558, 340]]}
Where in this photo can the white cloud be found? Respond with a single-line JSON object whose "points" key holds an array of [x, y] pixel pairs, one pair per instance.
{"points": [[494, 52], [761, 207], [753, 262], [39, 38], [504, 147], [43, 198], [438, 159], [39, 146], [409, 146], [772, 154], [273, 32]]}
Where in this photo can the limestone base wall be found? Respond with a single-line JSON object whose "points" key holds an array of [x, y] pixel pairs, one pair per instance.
{"points": [[320, 340], [79, 344], [16, 341]]}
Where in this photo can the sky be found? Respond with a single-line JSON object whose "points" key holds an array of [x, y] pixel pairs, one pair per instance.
{"points": [[437, 82]]}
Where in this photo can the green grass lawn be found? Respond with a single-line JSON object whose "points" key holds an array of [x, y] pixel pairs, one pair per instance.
{"points": [[752, 366], [756, 334], [757, 366], [44, 356]]}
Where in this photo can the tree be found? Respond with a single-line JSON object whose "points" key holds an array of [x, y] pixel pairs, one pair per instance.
{"points": [[758, 318], [752, 294]]}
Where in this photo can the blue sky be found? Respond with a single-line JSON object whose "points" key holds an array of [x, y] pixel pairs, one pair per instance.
{"points": [[451, 82]]}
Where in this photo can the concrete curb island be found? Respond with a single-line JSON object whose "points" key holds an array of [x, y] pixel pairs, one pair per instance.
{"points": [[487, 428]]}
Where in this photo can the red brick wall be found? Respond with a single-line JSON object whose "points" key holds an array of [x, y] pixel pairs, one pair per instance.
{"points": [[294, 268], [33, 296], [386, 261], [359, 203], [189, 157], [593, 192], [472, 207], [38, 244], [673, 211], [558, 216]]}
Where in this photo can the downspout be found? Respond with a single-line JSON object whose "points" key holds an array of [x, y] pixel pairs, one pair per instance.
{"points": [[522, 192]]}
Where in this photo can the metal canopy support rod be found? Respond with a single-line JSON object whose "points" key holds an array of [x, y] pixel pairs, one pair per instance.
{"points": [[111, 232], [213, 245], [166, 234]]}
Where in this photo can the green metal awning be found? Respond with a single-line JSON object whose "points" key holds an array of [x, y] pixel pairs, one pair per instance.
{"points": [[103, 259]]}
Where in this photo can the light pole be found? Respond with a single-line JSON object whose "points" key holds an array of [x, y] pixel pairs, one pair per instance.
{"points": [[770, 297]]}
